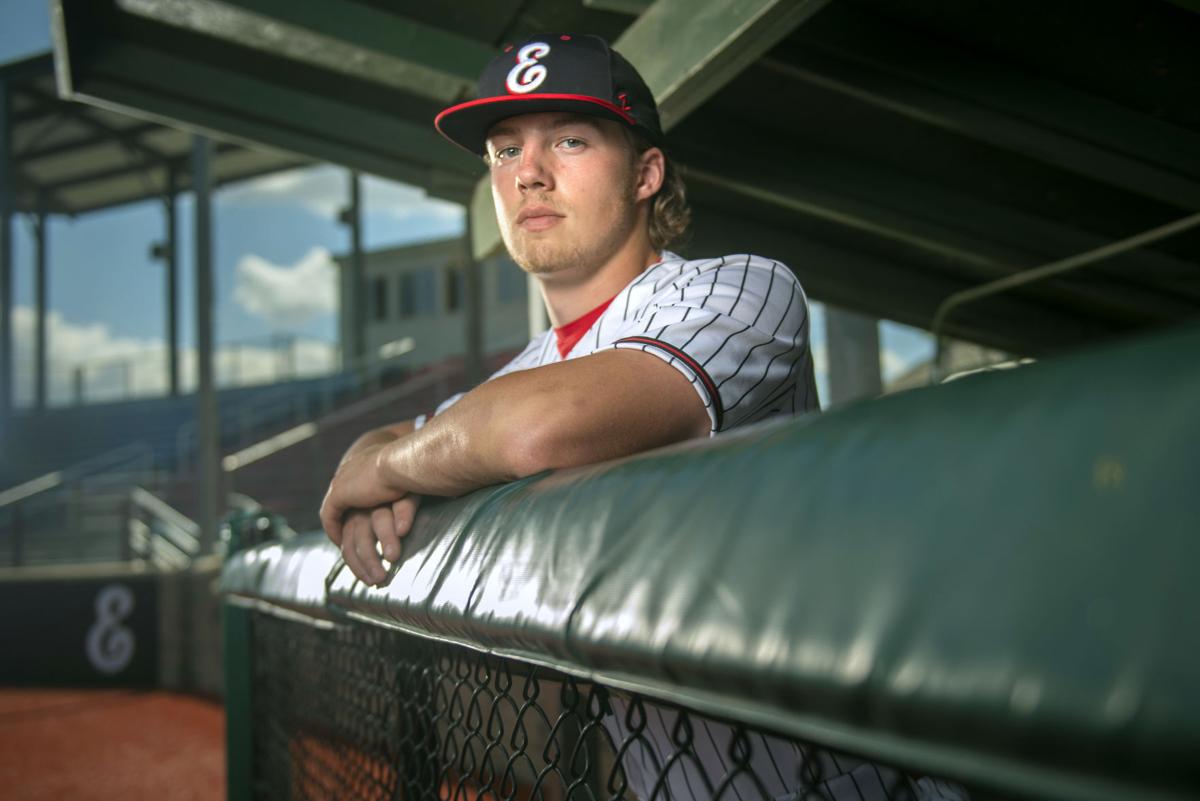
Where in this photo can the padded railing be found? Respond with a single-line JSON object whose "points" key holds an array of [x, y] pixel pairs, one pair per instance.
{"points": [[989, 588]]}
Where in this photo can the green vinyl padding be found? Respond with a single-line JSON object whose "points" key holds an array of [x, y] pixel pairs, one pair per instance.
{"points": [[995, 579]]}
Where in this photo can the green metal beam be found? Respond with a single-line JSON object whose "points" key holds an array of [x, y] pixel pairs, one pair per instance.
{"points": [[711, 42], [634, 7], [109, 58], [1039, 141], [128, 138], [857, 37], [952, 231], [385, 33], [356, 40], [30, 155], [398, 150]]}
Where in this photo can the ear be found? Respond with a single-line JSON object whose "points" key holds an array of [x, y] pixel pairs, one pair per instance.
{"points": [[651, 171]]}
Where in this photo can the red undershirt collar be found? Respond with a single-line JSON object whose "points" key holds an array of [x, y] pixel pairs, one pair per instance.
{"points": [[568, 335]]}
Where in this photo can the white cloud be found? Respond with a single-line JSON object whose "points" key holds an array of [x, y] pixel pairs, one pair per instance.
{"points": [[108, 367], [403, 202], [287, 296], [325, 191], [895, 364]]}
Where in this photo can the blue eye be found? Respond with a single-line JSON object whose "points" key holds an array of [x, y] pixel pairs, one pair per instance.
{"points": [[509, 152], [572, 142]]}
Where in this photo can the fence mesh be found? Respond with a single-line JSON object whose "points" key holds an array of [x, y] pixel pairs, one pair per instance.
{"points": [[362, 712]]}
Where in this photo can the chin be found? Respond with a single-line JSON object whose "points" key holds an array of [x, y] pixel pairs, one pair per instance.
{"points": [[545, 258]]}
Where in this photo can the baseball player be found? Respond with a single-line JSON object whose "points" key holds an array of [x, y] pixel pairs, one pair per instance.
{"points": [[647, 348]]}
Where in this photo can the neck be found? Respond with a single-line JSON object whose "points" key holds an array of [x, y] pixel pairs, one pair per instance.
{"points": [[568, 297]]}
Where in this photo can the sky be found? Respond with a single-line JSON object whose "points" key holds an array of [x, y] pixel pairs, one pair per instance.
{"points": [[274, 237]]}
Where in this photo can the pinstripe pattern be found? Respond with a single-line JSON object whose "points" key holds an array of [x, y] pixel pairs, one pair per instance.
{"points": [[738, 328], [735, 326]]}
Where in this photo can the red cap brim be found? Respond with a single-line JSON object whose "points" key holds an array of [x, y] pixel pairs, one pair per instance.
{"points": [[467, 124]]}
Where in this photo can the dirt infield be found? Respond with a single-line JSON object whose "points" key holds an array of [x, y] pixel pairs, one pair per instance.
{"points": [[88, 745]]}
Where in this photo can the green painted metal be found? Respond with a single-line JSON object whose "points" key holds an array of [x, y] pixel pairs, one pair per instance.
{"points": [[237, 642], [388, 134], [486, 240], [977, 80], [995, 579], [710, 43], [358, 41], [40, 305], [208, 423], [434, 49], [915, 100]]}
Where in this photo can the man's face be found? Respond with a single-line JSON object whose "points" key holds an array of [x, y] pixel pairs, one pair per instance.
{"points": [[565, 188]]}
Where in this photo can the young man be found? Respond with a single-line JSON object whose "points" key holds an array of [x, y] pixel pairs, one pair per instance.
{"points": [[647, 348]]}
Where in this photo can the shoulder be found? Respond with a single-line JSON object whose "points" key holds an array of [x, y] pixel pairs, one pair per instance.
{"points": [[732, 269], [534, 355], [745, 279]]}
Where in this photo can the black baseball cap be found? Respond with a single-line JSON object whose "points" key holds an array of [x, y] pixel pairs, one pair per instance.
{"points": [[553, 72]]}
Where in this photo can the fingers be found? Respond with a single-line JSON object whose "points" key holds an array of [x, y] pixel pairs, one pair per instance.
{"points": [[404, 512], [331, 519], [359, 548], [384, 527], [362, 533]]}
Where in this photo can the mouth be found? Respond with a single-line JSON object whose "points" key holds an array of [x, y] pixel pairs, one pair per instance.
{"points": [[538, 218]]}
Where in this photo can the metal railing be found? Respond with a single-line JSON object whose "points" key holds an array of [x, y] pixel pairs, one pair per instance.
{"points": [[159, 534], [69, 514], [978, 590]]}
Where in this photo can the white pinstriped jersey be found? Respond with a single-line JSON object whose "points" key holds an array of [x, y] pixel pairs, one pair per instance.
{"points": [[738, 328], [735, 326]]}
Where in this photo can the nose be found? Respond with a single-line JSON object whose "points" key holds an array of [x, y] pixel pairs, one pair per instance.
{"points": [[533, 172]]}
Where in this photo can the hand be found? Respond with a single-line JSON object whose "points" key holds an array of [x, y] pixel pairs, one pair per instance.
{"points": [[364, 531], [357, 484]]}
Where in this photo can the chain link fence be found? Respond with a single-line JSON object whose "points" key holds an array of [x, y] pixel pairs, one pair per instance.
{"points": [[364, 712]]}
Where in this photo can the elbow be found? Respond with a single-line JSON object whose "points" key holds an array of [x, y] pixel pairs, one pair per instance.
{"points": [[532, 443], [530, 451]]}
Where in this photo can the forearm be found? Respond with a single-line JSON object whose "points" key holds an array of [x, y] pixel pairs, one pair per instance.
{"points": [[562, 415], [378, 436]]}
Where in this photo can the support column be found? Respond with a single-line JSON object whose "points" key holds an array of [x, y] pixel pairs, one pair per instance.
{"points": [[170, 257], [39, 293], [539, 317], [352, 217], [7, 203], [208, 425], [473, 318], [852, 343]]}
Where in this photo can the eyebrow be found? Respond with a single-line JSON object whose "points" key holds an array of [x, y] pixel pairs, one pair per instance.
{"points": [[561, 121]]}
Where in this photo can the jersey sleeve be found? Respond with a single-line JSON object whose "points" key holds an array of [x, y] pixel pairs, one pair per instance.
{"points": [[529, 357], [737, 328]]}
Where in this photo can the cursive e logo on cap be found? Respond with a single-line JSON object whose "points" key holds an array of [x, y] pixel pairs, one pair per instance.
{"points": [[528, 74]]}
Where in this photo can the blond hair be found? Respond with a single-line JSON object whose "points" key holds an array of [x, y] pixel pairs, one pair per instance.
{"points": [[670, 214]]}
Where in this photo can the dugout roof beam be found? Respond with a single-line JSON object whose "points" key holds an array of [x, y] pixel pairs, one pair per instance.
{"points": [[71, 158], [902, 149]]}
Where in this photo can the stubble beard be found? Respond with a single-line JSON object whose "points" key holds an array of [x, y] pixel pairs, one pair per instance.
{"points": [[558, 253]]}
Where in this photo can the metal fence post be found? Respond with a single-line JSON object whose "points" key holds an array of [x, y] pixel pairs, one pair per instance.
{"points": [[239, 715], [237, 631]]}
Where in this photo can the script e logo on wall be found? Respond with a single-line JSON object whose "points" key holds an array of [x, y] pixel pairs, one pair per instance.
{"points": [[528, 74], [110, 645]]}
